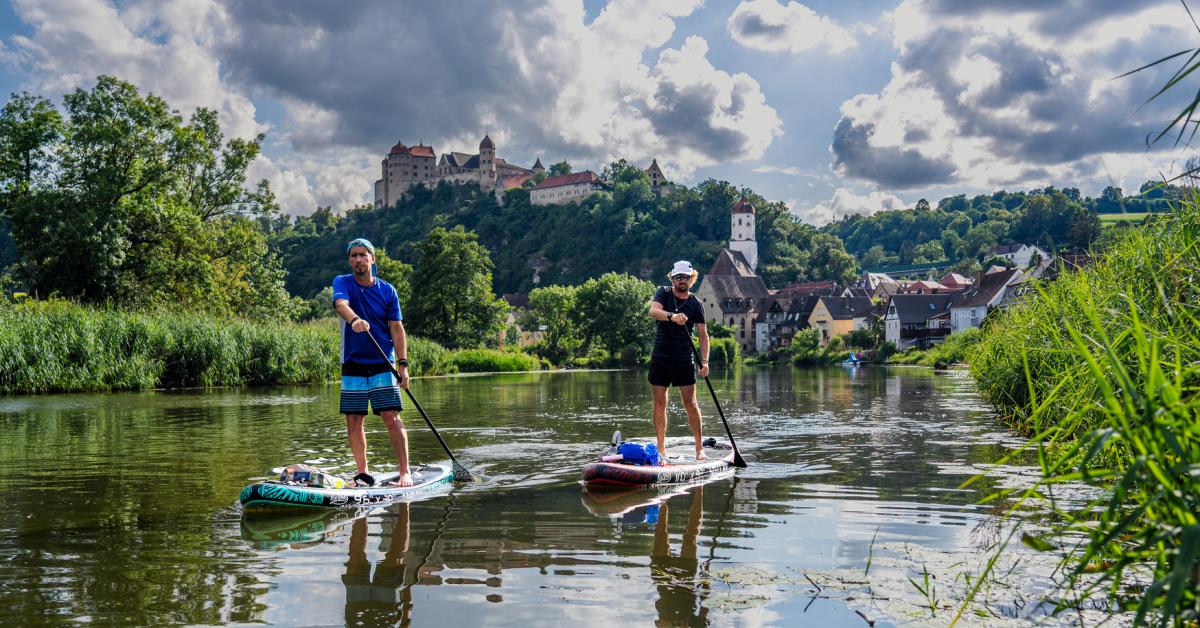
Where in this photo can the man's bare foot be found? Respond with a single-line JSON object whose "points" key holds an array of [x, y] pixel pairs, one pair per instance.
{"points": [[405, 479], [700, 457]]}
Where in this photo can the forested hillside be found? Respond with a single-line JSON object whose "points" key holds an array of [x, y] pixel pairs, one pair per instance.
{"points": [[961, 228], [626, 230]]}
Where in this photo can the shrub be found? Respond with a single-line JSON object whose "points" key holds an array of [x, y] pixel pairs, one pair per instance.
{"points": [[491, 361]]}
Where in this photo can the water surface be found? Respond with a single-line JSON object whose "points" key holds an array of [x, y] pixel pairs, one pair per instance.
{"points": [[120, 508]]}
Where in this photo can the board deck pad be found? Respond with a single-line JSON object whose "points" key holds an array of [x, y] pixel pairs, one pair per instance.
{"points": [[273, 495]]}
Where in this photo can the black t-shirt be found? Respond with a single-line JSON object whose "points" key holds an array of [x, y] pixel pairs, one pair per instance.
{"points": [[671, 343]]}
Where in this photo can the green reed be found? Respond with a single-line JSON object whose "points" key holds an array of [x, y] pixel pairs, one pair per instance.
{"points": [[491, 361], [1102, 368], [59, 346]]}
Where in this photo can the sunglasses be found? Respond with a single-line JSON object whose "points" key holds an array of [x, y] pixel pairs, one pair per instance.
{"points": [[678, 277]]}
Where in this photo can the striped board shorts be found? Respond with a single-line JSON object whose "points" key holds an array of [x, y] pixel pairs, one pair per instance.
{"points": [[381, 391]]}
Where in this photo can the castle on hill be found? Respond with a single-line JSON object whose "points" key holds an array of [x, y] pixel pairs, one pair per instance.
{"points": [[406, 166]]}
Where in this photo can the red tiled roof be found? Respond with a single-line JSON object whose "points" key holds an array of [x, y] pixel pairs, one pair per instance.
{"points": [[398, 149], [487, 142], [421, 150], [743, 207], [574, 178]]}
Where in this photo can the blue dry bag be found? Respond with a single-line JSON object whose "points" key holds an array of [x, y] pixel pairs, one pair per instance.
{"points": [[639, 454]]}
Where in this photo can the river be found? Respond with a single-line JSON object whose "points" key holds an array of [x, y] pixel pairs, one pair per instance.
{"points": [[121, 508]]}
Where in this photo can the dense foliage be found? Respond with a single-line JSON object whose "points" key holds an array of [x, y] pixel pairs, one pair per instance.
{"points": [[626, 229], [964, 229], [116, 199]]}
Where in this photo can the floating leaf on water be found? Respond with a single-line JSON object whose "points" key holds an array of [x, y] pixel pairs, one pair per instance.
{"points": [[1038, 543]]}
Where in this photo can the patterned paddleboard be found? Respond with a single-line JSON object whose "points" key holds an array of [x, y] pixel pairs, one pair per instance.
{"points": [[276, 496]]}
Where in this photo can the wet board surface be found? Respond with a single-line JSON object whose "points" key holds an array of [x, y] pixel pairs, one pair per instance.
{"points": [[273, 496]]}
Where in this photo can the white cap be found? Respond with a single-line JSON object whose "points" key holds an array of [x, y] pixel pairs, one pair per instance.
{"points": [[681, 268]]}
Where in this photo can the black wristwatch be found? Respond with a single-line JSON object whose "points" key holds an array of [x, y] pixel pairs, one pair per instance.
{"points": [[402, 362]]}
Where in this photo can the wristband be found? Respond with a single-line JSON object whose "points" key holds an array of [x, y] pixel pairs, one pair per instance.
{"points": [[402, 362], [355, 320]]}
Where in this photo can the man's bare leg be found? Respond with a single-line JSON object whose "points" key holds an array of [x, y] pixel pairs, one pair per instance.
{"points": [[659, 394], [358, 440], [688, 394], [395, 428]]}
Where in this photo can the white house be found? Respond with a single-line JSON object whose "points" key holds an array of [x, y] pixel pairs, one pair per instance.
{"points": [[1019, 254], [970, 306], [916, 319], [565, 188]]}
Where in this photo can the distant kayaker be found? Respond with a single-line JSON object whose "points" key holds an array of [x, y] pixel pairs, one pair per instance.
{"points": [[369, 305], [677, 311]]}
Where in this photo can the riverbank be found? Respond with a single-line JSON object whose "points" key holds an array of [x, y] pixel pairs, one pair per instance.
{"points": [[60, 346], [1100, 368]]}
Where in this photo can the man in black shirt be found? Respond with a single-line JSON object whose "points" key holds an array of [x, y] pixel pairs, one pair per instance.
{"points": [[677, 311]]}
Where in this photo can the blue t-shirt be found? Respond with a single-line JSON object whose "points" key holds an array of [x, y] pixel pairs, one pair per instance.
{"points": [[377, 304]]}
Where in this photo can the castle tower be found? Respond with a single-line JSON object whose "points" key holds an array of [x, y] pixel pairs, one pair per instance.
{"points": [[538, 167], [741, 238], [487, 163]]}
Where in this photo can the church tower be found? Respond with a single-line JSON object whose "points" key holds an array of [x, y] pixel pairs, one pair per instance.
{"points": [[741, 238], [487, 163]]}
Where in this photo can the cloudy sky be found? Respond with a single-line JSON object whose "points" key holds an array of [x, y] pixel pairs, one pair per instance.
{"points": [[832, 107]]}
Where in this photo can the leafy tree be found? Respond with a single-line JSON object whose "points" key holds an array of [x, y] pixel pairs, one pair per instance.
{"points": [[452, 300], [554, 307], [561, 167], [395, 272], [121, 201], [930, 251], [612, 313], [876, 257]]}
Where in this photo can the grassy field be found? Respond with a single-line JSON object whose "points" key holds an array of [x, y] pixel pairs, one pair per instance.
{"points": [[1109, 219]]}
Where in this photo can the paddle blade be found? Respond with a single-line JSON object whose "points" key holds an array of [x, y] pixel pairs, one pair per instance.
{"points": [[463, 474], [738, 460]]}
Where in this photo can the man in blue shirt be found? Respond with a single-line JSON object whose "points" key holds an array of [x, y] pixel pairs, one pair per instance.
{"points": [[368, 305]]}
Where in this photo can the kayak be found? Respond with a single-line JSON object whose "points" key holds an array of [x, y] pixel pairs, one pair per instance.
{"points": [[618, 474], [273, 495]]}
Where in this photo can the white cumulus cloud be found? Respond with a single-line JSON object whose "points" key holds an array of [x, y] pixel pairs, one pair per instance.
{"points": [[786, 27], [845, 203]]}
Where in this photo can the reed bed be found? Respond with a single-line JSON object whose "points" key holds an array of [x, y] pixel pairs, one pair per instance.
{"points": [[491, 361], [1101, 368], [60, 346]]}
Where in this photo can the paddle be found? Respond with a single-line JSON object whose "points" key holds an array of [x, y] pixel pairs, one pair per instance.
{"points": [[460, 472], [738, 461]]}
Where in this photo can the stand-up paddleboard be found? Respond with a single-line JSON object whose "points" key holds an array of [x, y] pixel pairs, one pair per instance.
{"points": [[619, 474], [275, 496]]}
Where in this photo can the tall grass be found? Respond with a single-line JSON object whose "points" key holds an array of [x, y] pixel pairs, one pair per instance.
{"points": [[1102, 370], [59, 346], [491, 361], [954, 349]]}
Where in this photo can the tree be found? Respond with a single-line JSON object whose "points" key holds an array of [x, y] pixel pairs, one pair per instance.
{"points": [[612, 311], [930, 251], [554, 307], [396, 273], [452, 300], [120, 201], [561, 167], [922, 205]]}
